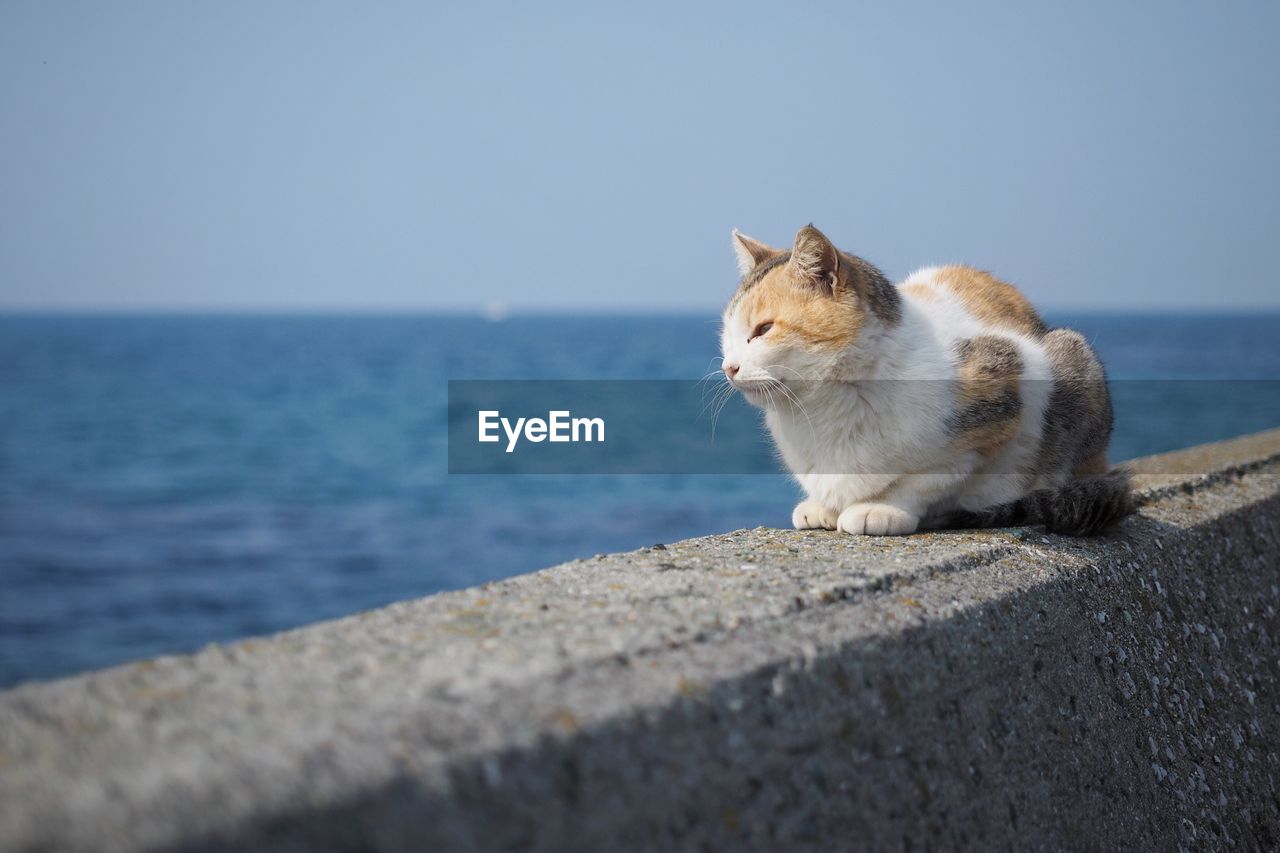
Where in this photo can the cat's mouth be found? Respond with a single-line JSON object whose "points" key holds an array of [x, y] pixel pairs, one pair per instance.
{"points": [[755, 390]]}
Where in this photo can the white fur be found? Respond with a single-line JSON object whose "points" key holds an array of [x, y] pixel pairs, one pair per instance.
{"points": [[864, 431]]}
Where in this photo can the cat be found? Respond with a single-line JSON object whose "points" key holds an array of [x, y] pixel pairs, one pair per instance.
{"points": [[944, 402]]}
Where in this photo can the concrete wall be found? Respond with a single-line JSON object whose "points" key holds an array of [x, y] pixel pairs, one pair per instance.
{"points": [[764, 688]]}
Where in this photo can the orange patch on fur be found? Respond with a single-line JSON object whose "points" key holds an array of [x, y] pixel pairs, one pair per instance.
{"points": [[817, 320], [991, 300], [988, 398], [923, 292]]}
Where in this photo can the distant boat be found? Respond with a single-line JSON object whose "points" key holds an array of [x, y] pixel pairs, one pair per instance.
{"points": [[495, 312]]}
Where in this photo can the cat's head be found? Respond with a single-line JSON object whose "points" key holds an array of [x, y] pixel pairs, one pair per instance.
{"points": [[799, 314]]}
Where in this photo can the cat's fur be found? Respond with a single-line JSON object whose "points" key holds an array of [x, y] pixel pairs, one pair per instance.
{"points": [[943, 402]]}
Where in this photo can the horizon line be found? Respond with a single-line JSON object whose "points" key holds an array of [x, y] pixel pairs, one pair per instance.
{"points": [[514, 311]]}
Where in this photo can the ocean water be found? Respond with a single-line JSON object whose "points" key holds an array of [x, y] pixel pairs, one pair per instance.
{"points": [[167, 481]]}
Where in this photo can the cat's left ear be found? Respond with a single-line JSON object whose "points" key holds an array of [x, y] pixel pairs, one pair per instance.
{"points": [[751, 253], [814, 260]]}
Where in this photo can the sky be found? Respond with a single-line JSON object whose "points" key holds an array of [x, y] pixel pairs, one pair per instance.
{"points": [[432, 156]]}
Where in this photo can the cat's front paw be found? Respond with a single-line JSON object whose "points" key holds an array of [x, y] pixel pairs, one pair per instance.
{"points": [[877, 520], [809, 515]]}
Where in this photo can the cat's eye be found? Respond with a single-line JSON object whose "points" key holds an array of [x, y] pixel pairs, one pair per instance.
{"points": [[761, 329]]}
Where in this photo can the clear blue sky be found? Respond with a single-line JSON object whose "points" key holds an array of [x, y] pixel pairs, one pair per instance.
{"points": [[318, 156]]}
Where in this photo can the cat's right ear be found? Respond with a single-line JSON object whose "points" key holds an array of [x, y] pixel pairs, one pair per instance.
{"points": [[750, 252], [815, 261]]}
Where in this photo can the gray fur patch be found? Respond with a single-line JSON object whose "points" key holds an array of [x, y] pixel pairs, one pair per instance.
{"points": [[1084, 507], [989, 357], [1078, 419], [988, 369], [986, 412], [874, 289]]}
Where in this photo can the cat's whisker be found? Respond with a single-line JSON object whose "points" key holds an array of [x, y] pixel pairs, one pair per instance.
{"points": [[712, 375], [715, 417], [724, 401], [798, 374], [720, 392], [723, 389], [813, 432]]}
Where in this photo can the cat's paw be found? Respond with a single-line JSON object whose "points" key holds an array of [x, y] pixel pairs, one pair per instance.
{"points": [[809, 515], [877, 520]]}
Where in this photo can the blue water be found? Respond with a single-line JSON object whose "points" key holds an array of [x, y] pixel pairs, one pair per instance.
{"points": [[166, 482]]}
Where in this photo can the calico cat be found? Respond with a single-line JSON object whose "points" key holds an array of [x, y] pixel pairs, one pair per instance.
{"points": [[943, 402]]}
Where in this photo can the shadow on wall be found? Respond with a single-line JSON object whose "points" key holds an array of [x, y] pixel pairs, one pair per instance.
{"points": [[1106, 702]]}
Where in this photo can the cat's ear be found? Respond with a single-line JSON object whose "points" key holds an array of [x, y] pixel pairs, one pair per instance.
{"points": [[814, 260], [750, 252]]}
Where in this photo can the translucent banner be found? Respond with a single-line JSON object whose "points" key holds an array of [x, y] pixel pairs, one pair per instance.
{"points": [[686, 427]]}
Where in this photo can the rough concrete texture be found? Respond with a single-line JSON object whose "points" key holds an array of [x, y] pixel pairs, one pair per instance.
{"points": [[763, 688]]}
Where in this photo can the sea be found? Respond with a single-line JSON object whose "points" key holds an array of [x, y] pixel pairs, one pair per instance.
{"points": [[172, 481]]}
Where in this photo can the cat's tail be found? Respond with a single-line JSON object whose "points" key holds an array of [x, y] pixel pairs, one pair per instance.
{"points": [[1085, 506]]}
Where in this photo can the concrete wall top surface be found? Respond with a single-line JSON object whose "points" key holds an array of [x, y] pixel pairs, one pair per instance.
{"points": [[756, 688]]}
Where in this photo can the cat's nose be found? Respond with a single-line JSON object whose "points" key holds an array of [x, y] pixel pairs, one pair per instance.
{"points": [[731, 370]]}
